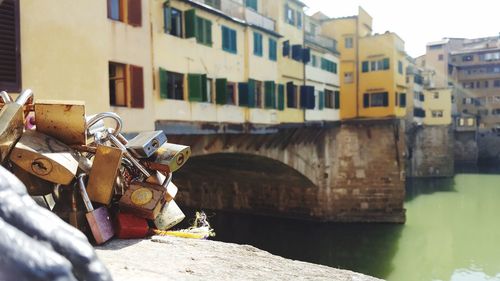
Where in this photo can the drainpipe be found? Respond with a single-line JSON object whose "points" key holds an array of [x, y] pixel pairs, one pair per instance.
{"points": [[356, 67]]}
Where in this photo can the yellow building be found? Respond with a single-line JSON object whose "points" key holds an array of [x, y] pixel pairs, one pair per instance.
{"points": [[372, 78], [438, 106]]}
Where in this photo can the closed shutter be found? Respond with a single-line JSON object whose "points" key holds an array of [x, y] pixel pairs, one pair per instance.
{"points": [[337, 100], [190, 23], [386, 64], [365, 67], [386, 99], [208, 32], [310, 101], [10, 55], [134, 12], [303, 96], [290, 95], [281, 97], [163, 84], [270, 101], [137, 86], [366, 100], [243, 94], [402, 100], [204, 89], [195, 84], [286, 48], [221, 91], [252, 88], [297, 52], [321, 104]]}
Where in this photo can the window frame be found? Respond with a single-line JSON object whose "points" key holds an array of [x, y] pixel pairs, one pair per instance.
{"points": [[115, 78], [348, 42], [168, 21], [232, 46], [273, 49], [258, 49], [9, 85]]}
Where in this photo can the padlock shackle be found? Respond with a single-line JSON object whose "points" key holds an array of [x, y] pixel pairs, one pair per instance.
{"points": [[83, 192], [5, 97], [103, 115], [24, 97], [167, 180]]}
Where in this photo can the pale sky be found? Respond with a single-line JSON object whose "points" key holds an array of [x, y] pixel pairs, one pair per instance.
{"points": [[418, 22]]}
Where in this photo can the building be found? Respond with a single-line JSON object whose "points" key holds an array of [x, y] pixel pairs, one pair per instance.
{"points": [[372, 79], [415, 112], [322, 72], [438, 106]]}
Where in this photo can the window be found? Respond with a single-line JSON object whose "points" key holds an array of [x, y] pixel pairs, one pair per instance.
{"points": [[440, 57], [386, 64], [291, 95], [10, 51], [328, 65], [117, 84], [486, 84], [495, 111], [173, 21], [231, 93], [252, 4], [258, 94], [116, 11], [400, 67], [348, 77], [257, 44], [382, 64], [229, 40], [289, 15], [329, 99], [496, 83], [272, 49], [314, 61], [348, 42], [467, 58], [418, 112], [376, 99], [437, 113], [286, 48], [171, 85], [204, 31], [123, 78], [299, 19], [435, 95], [365, 66], [210, 90], [312, 28], [402, 99]]}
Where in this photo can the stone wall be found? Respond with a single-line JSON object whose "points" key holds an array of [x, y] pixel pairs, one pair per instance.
{"points": [[430, 152], [489, 147], [351, 172], [466, 150]]}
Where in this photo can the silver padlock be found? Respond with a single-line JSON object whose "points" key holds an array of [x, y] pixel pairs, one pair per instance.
{"points": [[146, 143], [116, 142]]}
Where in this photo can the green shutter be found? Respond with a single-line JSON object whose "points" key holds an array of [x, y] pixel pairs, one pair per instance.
{"points": [[220, 91], [281, 97], [208, 32], [204, 88], [270, 97], [163, 84], [337, 100], [190, 23], [321, 104], [195, 87], [252, 87], [386, 64], [200, 35]]}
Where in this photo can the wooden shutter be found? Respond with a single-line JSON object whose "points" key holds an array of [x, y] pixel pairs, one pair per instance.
{"points": [[134, 12], [286, 48], [303, 96], [386, 64], [10, 51], [306, 55], [221, 91], [252, 88], [167, 18], [402, 100], [243, 94], [270, 97], [310, 100], [190, 23], [366, 100], [195, 89], [290, 95], [321, 98], [204, 88], [281, 97], [297, 52], [208, 32], [337, 100], [137, 86], [163, 84]]}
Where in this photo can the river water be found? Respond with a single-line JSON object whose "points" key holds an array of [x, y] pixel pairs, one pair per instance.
{"points": [[452, 233]]}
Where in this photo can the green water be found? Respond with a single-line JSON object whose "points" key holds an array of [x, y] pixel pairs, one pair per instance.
{"points": [[452, 233]]}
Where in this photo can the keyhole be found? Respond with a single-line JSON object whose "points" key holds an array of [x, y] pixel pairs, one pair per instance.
{"points": [[41, 166]]}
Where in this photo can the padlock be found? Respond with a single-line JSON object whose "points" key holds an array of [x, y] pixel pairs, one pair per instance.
{"points": [[75, 218], [166, 182], [130, 226], [35, 185], [103, 174], [5, 98], [143, 199], [45, 157], [169, 216], [168, 158], [98, 219], [146, 143], [63, 120], [116, 142], [12, 123]]}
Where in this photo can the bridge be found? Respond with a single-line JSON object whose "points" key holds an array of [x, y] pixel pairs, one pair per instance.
{"points": [[340, 171]]}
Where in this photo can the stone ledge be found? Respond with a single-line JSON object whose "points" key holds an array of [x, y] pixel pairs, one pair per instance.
{"points": [[187, 259]]}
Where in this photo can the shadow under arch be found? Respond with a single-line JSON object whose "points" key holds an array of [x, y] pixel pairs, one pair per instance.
{"points": [[245, 183]]}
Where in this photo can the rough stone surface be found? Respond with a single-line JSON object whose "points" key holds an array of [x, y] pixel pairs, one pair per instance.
{"points": [[187, 259], [466, 147], [431, 153], [489, 147], [352, 171]]}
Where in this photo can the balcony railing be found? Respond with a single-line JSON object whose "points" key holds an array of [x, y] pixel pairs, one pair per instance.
{"points": [[325, 42], [237, 9]]}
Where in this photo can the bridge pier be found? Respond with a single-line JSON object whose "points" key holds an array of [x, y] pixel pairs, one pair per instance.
{"points": [[348, 172]]}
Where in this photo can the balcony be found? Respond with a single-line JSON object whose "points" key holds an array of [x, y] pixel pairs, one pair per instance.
{"points": [[237, 9], [324, 42]]}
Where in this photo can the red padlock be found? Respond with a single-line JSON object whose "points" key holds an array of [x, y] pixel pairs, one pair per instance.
{"points": [[129, 226]]}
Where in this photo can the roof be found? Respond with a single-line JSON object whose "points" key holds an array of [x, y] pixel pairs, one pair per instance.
{"points": [[298, 2]]}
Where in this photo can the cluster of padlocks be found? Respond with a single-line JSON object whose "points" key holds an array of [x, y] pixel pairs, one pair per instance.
{"points": [[88, 173]]}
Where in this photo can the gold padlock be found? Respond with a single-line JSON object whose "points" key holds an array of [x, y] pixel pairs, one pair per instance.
{"points": [[63, 120], [35, 185], [168, 158], [45, 157], [103, 174]]}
